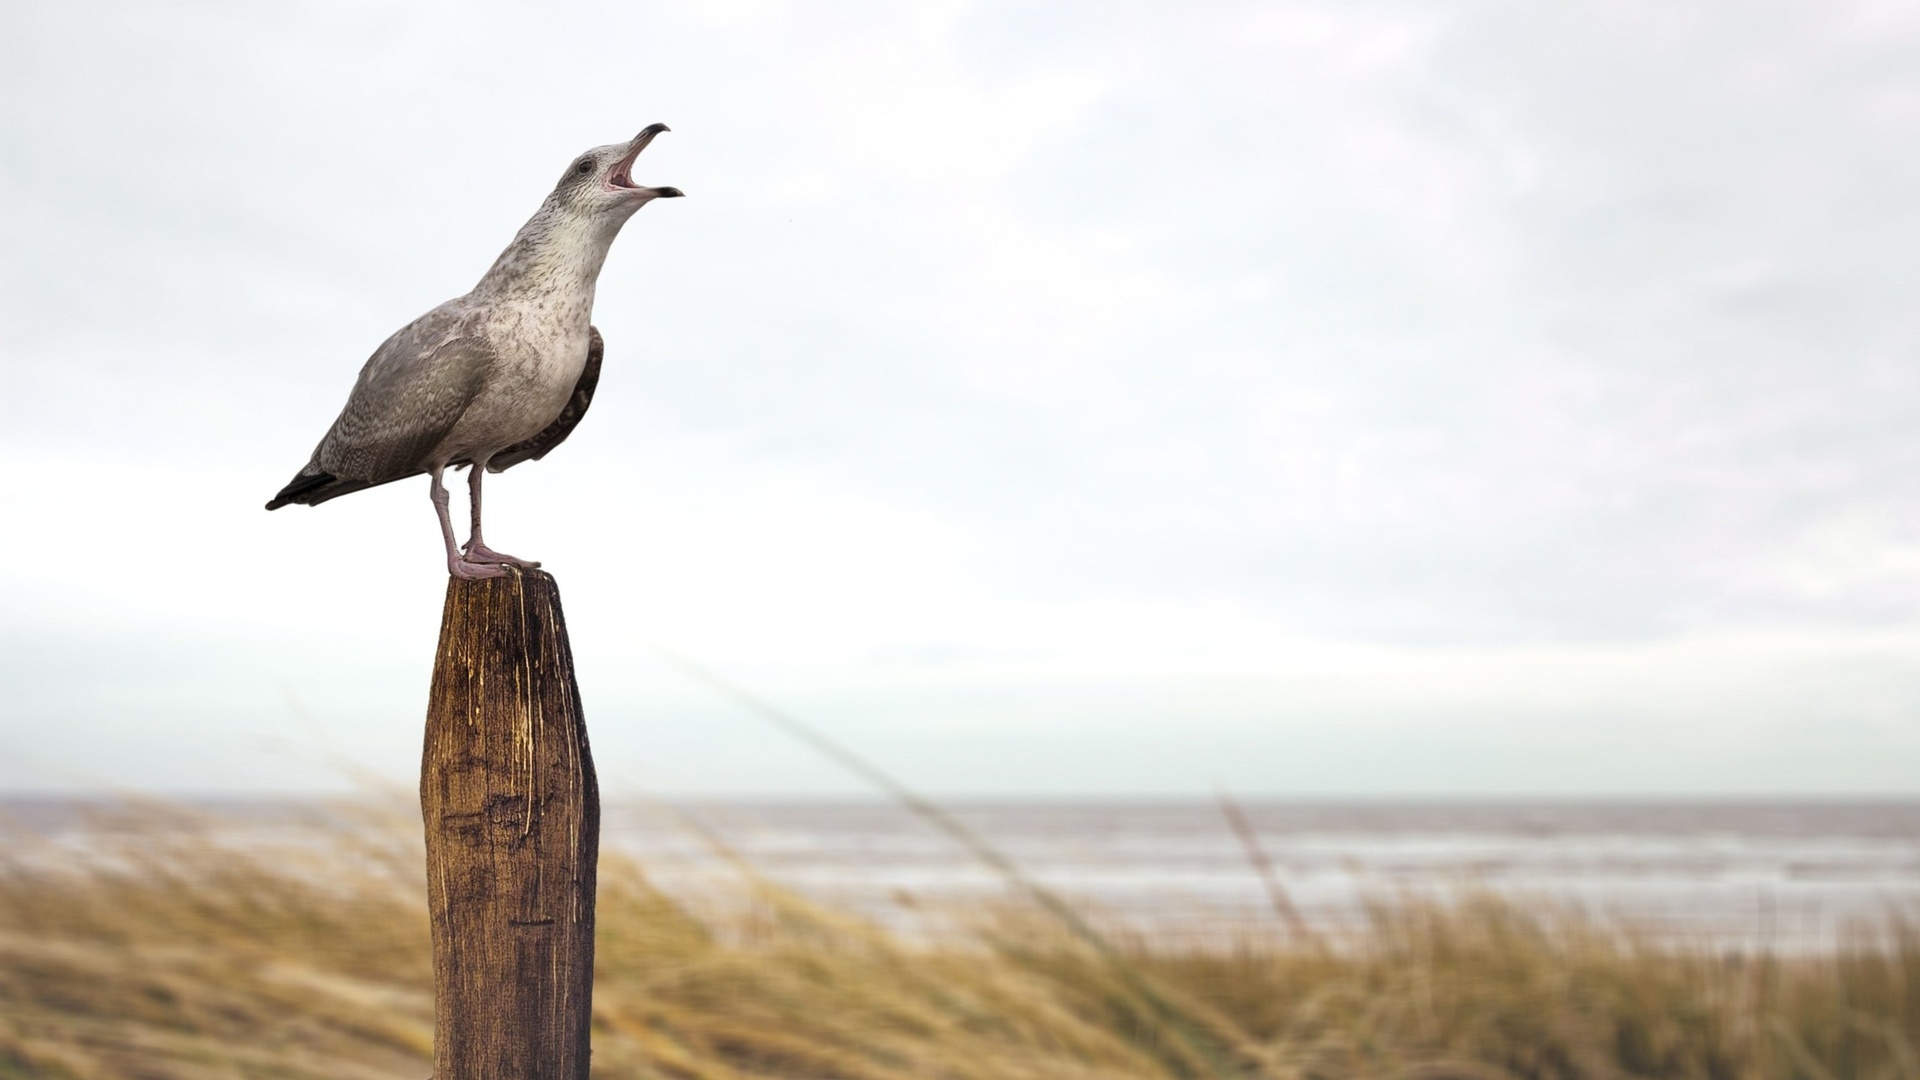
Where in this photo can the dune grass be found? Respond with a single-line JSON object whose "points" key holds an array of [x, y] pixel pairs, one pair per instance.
{"points": [[155, 953]]}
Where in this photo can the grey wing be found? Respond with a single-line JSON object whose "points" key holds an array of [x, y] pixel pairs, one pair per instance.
{"points": [[556, 433], [408, 397]]}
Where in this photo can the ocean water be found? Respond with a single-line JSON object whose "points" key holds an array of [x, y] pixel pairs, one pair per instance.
{"points": [[1781, 874]]}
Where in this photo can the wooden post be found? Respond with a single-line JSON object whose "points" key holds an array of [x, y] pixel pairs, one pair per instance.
{"points": [[512, 814]]}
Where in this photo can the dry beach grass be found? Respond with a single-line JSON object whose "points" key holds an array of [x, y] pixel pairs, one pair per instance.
{"points": [[154, 951]]}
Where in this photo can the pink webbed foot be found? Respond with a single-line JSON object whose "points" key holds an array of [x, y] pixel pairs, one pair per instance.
{"points": [[473, 571], [477, 552]]}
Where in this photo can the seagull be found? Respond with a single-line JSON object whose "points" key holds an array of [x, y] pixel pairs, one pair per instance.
{"points": [[499, 376]]}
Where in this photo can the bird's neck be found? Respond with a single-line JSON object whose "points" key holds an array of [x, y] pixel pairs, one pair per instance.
{"points": [[556, 251]]}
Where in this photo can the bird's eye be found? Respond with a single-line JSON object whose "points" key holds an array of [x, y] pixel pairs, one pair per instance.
{"points": [[584, 167]]}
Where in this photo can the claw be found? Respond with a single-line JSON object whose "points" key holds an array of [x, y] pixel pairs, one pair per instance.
{"points": [[473, 571], [480, 553]]}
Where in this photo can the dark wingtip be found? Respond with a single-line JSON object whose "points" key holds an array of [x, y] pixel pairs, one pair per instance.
{"points": [[302, 488]]}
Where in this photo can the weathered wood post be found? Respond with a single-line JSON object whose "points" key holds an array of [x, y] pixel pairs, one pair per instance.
{"points": [[512, 816]]}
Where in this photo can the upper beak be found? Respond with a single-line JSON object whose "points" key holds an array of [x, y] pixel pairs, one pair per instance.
{"points": [[641, 140]]}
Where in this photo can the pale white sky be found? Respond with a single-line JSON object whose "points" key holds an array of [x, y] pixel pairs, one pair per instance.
{"points": [[1319, 398]]}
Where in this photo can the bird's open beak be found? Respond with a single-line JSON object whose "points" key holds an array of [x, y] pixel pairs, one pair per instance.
{"points": [[621, 178]]}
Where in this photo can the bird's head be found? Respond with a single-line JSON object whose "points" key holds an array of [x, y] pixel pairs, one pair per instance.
{"points": [[600, 181]]}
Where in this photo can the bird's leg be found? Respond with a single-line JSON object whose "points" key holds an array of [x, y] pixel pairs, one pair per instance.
{"points": [[456, 565], [477, 549]]}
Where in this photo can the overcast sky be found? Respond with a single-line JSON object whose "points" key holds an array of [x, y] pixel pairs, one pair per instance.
{"points": [[1314, 398]]}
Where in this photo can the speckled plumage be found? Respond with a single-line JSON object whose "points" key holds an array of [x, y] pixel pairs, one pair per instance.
{"points": [[495, 377]]}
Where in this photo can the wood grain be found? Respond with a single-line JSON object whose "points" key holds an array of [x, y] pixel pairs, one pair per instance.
{"points": [[512, 815]]}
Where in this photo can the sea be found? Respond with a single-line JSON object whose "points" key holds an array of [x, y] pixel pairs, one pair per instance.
{"points": [[1785, 875], [1761, 874]]}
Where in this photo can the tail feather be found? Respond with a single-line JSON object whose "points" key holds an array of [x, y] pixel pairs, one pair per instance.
{"points": [[315, 488]]}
